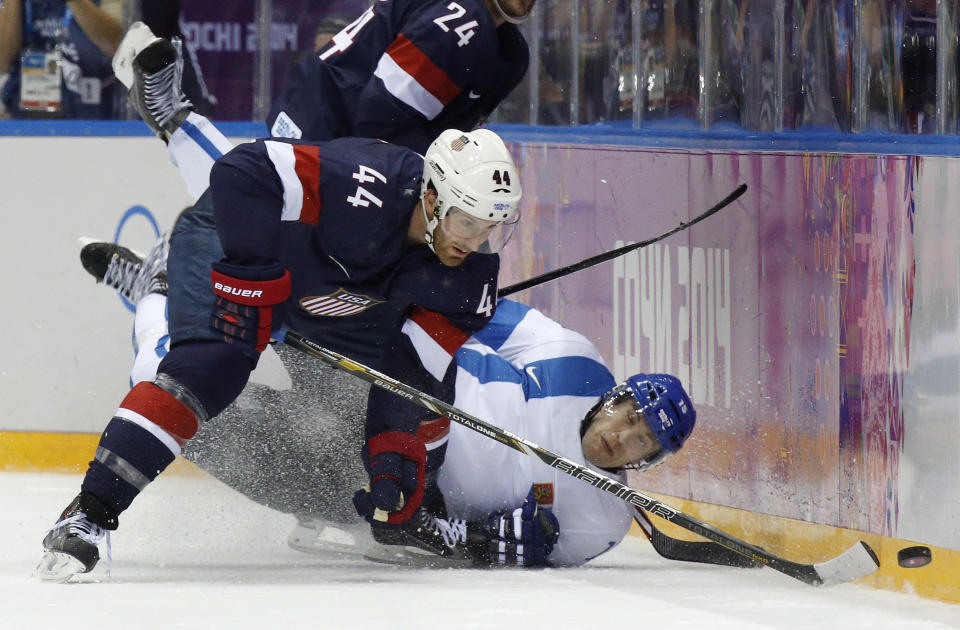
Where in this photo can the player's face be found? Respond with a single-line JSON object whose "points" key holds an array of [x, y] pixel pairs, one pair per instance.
{"points": [[453, 248], [619, 434], [459, 234]]}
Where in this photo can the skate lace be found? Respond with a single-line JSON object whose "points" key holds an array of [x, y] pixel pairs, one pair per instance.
{"points": [[121, 274], [161, 90], [453, 531], [152, 277], [88, 532]]}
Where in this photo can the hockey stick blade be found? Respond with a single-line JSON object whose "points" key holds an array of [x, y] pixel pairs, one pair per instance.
{"points": [[849, 566], [857, 562], [691, 551], [620, 251]]}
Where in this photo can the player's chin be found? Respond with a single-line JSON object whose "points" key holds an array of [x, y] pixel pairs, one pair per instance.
{"points": [[594, 454], [453, 257]]}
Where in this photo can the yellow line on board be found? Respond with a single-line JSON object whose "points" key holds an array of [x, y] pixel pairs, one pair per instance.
{"points": [[25, 451], [805, 542]]}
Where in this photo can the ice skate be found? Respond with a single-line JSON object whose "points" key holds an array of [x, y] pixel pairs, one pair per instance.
{"points": [[318, 536], [153, 272], [152, 68], [71, 545], [137, 38], [123, 269], [426, 541]]}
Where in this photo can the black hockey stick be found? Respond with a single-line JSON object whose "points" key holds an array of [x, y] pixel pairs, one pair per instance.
{"points": [[620, 251], [705, 552], [857, 562]]}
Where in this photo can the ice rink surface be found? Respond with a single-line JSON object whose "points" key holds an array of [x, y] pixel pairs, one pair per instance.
{"points": [[191, 553]]}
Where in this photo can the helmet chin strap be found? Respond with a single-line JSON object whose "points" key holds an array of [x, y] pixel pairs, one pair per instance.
{"points": [[429, 229], [505, 16]]}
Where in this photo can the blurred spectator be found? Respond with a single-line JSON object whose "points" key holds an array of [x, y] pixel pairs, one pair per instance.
{"points": [[745, 91], [919, 63], [58, 56], [818, 44], [608, 76], [555, 65], [555, 71], [670, 68], [880, 86]]}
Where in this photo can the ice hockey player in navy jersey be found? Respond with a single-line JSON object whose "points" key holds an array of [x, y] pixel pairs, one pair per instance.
{"points": [[338, 240], [403, 71]]}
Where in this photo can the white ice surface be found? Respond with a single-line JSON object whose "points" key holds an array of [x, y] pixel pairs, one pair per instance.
{"points": [[192, 553]]}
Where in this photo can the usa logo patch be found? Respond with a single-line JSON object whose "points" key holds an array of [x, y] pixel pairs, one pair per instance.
{"points": [[340, 303], [543, 493]]}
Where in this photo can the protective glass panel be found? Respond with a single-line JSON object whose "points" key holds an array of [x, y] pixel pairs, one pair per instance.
{"points": [[816, 73], [759, 65]]}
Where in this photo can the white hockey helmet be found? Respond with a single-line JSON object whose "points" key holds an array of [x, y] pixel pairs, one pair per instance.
{"points": [[477, 185], [513, 19]]}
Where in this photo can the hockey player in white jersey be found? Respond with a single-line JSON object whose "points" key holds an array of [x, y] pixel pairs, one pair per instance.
{"points": [[529, 375]]}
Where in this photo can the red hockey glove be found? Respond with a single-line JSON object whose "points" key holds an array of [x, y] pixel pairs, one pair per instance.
{"points": [[246, 296], [397, 468]]}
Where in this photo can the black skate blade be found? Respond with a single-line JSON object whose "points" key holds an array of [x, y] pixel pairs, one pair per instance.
{"points": [[413, 557]]}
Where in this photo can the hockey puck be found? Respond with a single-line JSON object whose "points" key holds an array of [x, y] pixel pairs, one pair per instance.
{"points": [[914, 557]]}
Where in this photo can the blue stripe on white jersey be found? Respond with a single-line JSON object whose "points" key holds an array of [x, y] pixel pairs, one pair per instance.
{"points": [[561, 376], [202, 141], [506, 318]]}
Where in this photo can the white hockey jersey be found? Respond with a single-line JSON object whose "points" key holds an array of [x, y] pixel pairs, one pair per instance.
{"points": [[528, 375]]}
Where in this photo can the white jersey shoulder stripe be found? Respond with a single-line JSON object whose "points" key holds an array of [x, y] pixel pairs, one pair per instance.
{"points": [[284, 163]]}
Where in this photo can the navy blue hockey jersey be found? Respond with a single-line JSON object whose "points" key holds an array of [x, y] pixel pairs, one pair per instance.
{"points": [[404, 71], [336, 215]]}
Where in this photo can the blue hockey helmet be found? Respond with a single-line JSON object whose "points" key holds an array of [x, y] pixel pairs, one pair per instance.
{"points": [[662, 402], [666, 406]]}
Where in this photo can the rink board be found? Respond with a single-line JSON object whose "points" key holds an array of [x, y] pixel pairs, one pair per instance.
{"points": [[816, 321]]}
